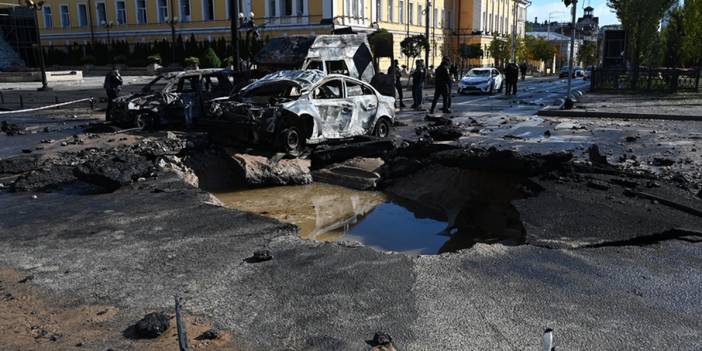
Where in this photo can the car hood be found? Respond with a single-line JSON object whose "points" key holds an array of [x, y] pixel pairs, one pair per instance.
{"points": [[475, 80], [140, 100]]}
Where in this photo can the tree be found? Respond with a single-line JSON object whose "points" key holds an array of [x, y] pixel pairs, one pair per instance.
{"points": [[587, 54], [539, 49], [640, 19], [470, 52], [412, 46], [692, 24], [499, 50], [209, 59], [673, 37]]}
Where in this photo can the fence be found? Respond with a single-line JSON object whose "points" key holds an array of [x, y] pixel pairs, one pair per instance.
{"points": [[650, 79]]}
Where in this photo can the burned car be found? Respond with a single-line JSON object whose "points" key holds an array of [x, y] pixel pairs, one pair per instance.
{"points": [[172, 98], [289, 109]]}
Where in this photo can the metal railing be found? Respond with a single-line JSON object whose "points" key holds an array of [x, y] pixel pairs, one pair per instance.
{"points": [[649, 79]]}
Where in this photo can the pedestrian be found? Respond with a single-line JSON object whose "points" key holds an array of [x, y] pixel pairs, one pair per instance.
{"points": [[523, 70], [454, 76], [395, 71], [418, 77], [515, 78], [113, 84], [442, 84]]}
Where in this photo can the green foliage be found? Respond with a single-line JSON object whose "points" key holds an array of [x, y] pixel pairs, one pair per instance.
{"points": [[692, 24], [470, 51], [209, 59], [587, 54], [228, 61], [412, 46], [538, 49], [673, 37], [191, 61], [500, 50], [156, 58]]}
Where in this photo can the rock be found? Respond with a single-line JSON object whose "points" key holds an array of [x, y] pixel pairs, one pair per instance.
{"points": [[441, 132], [631, 138], [44, 179], [357, 173], [261, 170], [260, 256], [27, 151], [114, 172], [595, 156], [364, 147], [547, 134], [19, 164], [152, 325], [26, 279], [210, 334]]}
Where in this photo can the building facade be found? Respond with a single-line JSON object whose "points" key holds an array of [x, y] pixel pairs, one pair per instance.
{"points": [[451, 22]]}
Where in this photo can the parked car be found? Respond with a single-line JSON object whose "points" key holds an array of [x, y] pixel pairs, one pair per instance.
{"points": [[485, 80], [172, 98], [587, 73], [289, 109], [577, 72]]}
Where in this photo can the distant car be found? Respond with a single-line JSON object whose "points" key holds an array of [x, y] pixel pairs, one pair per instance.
{"points": [[587, 73], [577, 72], [289, 109], [484, 80], [172, 98]]}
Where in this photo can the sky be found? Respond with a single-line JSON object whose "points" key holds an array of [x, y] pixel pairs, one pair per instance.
{"points": [[542, 9]]}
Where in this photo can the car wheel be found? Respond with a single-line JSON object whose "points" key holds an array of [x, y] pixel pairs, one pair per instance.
{"points": [[291, 141], [382, 128]]}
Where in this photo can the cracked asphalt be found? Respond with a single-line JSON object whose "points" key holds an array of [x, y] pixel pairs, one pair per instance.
{"points": [[137, 247]]}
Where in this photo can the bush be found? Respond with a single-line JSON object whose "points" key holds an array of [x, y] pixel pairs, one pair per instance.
{"points": [[154, 59], [192, 61], [210, 59], [228, 61], [87, 60]]}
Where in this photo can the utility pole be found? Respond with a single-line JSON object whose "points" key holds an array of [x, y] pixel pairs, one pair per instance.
{"points": [[172, 21], [92, 26], [234, 16], [426, 35], [35, 7], [514, 32], [569, 101]]}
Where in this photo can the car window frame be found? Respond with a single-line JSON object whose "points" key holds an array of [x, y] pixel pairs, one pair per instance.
{"points": [[342, 86]]}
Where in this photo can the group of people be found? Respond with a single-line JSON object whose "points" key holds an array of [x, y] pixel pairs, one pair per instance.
{"points": [[444, 77]]}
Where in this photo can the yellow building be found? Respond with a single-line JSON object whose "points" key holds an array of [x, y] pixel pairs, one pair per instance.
{"points": [[451, 22]]}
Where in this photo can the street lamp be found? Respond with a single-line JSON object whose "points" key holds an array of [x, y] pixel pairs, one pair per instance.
{"points": [[568, 101], [107, 26], [427, 11], [172, 22], [36, 6], [235, 17]]}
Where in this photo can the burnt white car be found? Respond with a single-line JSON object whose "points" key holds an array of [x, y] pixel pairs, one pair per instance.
{"points": [[289, 109], [485, 80]]}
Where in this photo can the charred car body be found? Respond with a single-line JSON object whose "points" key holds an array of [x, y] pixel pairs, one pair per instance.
{"points": [[292, 108], [172, 98]]}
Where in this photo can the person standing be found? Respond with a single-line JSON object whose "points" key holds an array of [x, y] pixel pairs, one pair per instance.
{"points": [[454, 76], [442, 86], [515, 78], [418, 77], [395, 70], [112, 84], [523, 70]]}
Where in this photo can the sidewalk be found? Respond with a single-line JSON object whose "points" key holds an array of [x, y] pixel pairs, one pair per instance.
{"points": [[679, 106]]}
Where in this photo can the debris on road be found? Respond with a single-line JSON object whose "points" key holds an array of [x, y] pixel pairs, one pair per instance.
{"points": [[152, 325]]}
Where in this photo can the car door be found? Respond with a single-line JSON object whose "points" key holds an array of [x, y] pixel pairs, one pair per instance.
{"points": [[365, 107], [334, 110], [497, 77]]}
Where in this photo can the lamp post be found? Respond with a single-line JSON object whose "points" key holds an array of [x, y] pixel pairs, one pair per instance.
{"points": [[569, 101], [92, 27], [427, 11], [235, 17], [172, 22], [36, 6], [108, 25]]}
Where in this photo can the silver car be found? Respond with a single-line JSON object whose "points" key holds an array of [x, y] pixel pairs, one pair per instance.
{"points": [[484, 80], [290, 109]]}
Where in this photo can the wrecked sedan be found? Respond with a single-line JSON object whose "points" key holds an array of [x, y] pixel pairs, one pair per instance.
{"points": [[172, 98], [289, 109]]}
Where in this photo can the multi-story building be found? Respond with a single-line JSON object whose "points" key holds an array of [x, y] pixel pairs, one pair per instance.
{"points": [[451, 22]]}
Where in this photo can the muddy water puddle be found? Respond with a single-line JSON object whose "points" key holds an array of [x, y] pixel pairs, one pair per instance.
{"points": [[393, 221]]}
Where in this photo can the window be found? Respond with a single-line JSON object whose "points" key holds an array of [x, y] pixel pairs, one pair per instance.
{"points": [[287, 7], [436, 17], [420, 15], [354, 89], [121, 12], [48, 21], [410, 13], [189, 84], [208, 13], [337, 67], [379, 10], [271, 8], [141, 11], [391, 11], [162, 10], [401, 11], [101, 13], [82, 15], [185, 10], [65, 17], [300, 7], [330, 90]]}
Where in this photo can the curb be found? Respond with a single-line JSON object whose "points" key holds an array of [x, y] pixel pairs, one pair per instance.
{"points": [[614, 115]]}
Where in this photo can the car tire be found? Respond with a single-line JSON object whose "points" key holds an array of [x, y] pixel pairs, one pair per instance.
{"points": [[291, 141], [382, 128]]}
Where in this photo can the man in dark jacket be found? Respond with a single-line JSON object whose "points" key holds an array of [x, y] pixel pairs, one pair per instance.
{"points": [[511, 77], [418, 77], [112, 85], [442, 82], [523, 69], [395, 70]]}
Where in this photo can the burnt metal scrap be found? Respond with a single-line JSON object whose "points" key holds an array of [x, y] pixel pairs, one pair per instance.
{"points": [[172, 98], [289, 109]]}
